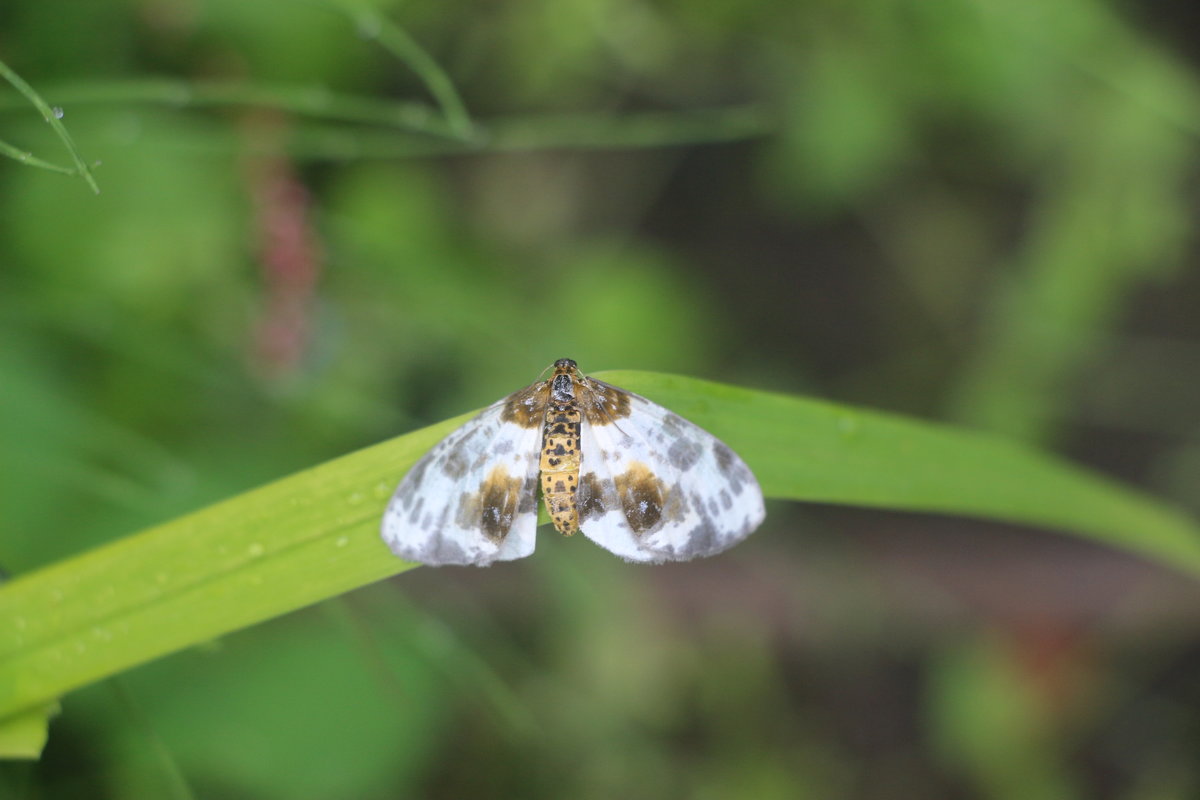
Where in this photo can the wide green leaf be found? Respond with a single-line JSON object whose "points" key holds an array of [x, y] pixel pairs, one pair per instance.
{"points": [[314, 534]]}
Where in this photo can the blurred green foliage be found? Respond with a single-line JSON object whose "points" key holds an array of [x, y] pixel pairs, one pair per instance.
{"points": [[968, 210]]}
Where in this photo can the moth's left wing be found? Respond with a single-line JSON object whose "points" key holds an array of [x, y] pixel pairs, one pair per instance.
{"points": [[654, 487], [472, 499]]}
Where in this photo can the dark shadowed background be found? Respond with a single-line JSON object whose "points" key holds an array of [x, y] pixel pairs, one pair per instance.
{"points": [[971, 211]]}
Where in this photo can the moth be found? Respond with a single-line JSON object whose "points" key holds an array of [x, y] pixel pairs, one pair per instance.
{"points": [[635, 478]]}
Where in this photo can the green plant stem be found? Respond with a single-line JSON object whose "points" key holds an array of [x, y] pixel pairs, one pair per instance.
{"points": [[396, 41], [430, 134], [542, 133], [311, 101], [25, 157], [52, 117]]}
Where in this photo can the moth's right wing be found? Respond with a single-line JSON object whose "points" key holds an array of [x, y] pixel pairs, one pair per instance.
{"points": [[655, 487]]}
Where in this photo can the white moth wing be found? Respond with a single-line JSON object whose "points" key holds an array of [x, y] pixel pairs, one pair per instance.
{"points": [[472, 499], [654, 487], [601, 518]]}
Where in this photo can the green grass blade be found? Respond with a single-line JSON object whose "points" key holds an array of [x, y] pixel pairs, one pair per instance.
{"points": [[396, 41], [25, 157], [316, 102], [51, 116], [313, 535]]}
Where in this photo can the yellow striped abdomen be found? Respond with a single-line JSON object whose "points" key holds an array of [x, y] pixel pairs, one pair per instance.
{"points": [[560, 466]]}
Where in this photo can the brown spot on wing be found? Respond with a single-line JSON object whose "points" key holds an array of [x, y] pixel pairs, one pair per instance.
{"points": [[603, 403], [642, 496], [493, 508], [675, 506], [526, 408]]}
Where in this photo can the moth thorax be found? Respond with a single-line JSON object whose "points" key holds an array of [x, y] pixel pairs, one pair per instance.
{"points": [[562, 389]]}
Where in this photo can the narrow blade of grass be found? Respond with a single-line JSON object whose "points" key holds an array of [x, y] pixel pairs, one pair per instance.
{"points": [[25, 157], [396, 41], [51, 116], [314, 534]]}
